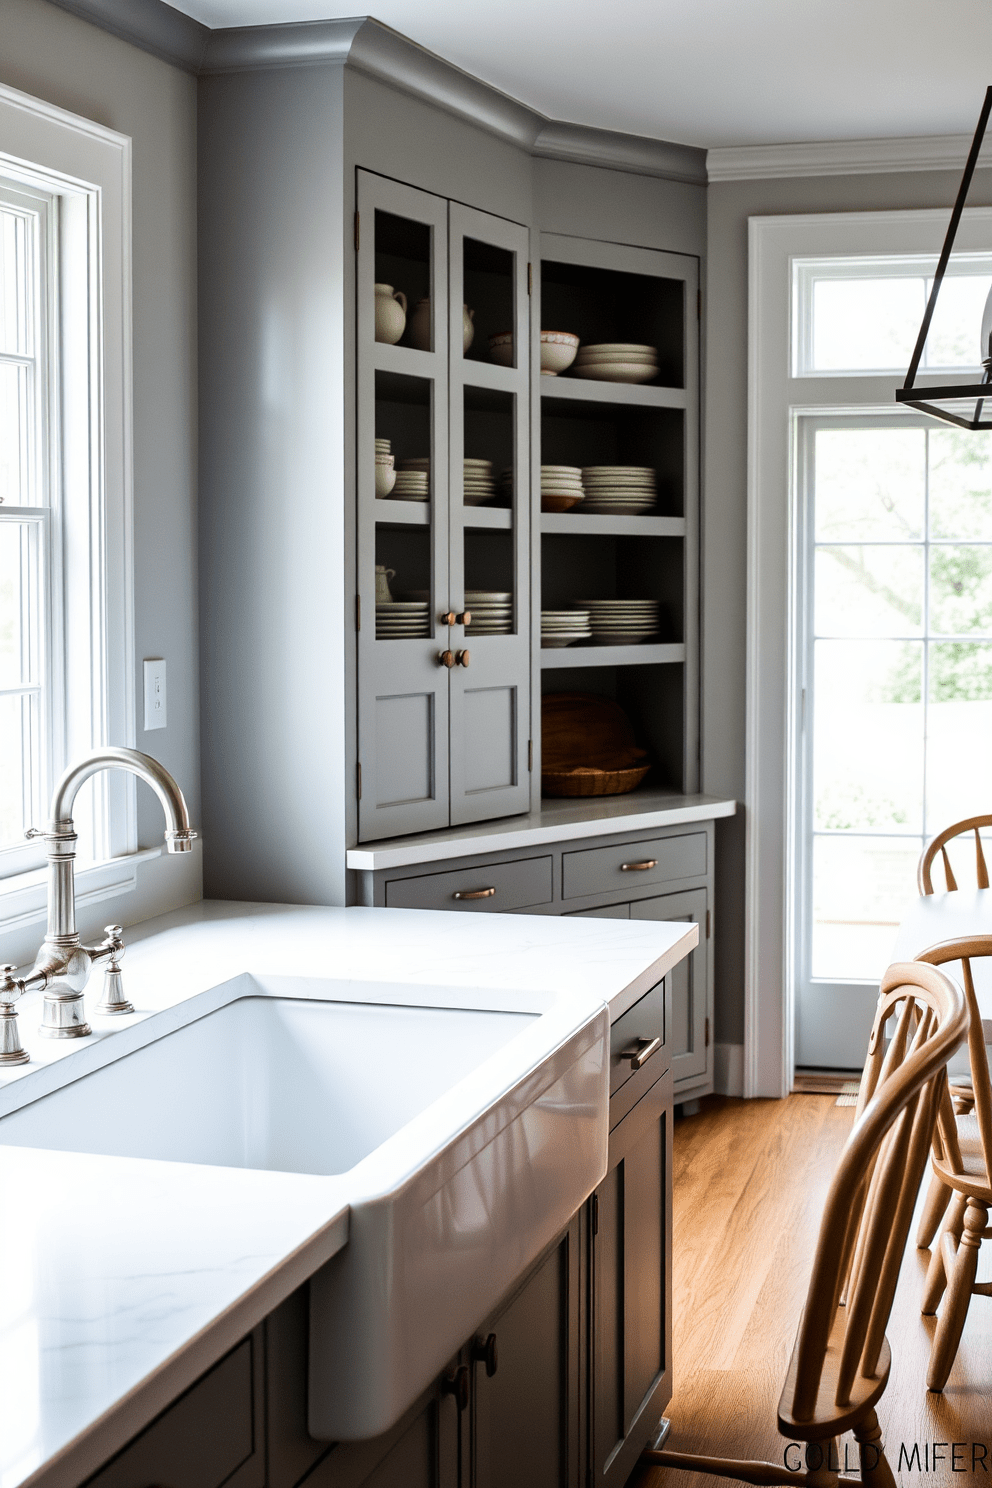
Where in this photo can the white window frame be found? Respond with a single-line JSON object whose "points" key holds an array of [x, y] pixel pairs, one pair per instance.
{"points": [[86, 168], [776, 398]]}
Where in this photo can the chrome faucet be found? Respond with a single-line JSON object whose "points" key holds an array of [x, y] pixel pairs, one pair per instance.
{"points": [[62, 966]]}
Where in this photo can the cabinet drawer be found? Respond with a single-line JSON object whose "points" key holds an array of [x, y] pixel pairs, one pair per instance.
{"points": [[200, 1441], [642, 1023], [513, 886], [605, 870]]}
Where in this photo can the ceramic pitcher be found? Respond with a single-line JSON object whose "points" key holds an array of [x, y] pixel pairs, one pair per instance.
{"points": [[390, 313], [383, 594], [420, 326], [468, 329]]}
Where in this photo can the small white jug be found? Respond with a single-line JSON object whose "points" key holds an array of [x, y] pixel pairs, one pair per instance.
{"points": [[382, 578], [390, 313]]}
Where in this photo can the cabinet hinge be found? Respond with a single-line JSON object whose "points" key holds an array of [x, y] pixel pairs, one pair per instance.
{"points": [[699, 304], [595, 1214], [707, 924], [707, 1042], [358, 230], [359, 780], [358, 620], [530, 278], [530, 754]]}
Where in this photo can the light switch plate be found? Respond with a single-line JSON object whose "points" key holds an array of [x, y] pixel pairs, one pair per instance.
{"points": [[155, 712]]}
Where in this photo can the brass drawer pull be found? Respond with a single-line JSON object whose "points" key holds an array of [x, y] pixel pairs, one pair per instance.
{"points": [[639, 867], [473, 894], [640, 1052]]}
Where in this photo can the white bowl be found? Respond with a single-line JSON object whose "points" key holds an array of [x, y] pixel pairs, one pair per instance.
{"points": [[385, 478], [501, 348], [558, 349]]}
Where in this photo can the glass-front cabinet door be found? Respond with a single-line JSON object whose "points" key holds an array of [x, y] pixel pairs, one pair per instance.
{"points": [[443, 503]]}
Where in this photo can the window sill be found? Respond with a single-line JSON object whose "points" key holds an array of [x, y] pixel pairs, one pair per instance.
{"points": [[24, 896]]}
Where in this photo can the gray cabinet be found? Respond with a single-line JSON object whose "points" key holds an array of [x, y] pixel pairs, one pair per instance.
{"points": [[443, 700]]}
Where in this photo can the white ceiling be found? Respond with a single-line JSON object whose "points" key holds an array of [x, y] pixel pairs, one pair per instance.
{"points": [[703, 72]]}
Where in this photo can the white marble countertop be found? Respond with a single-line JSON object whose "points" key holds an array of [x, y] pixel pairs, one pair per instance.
{"points": [[125, 1279], [598, 816]]}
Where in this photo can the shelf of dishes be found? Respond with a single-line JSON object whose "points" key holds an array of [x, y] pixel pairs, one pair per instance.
{"points": [[601, 490], [602, 622], [577, 522], [410, 479], [406, 615], [656, 654]]}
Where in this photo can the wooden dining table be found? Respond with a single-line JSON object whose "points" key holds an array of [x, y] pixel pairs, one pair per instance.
{"points": [[933, 918]]}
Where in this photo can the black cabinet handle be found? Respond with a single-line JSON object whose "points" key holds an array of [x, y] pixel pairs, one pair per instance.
{"points": [[485, 1351], [457, 1384]]}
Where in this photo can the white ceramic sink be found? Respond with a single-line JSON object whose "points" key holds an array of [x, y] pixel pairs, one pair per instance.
{"points": [[465, 1138]]}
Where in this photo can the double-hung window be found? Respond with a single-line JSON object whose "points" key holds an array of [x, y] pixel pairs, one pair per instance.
{"points": [[31, 682]]}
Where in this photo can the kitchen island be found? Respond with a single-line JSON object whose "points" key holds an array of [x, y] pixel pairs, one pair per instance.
{"points": [[128, 1277]]}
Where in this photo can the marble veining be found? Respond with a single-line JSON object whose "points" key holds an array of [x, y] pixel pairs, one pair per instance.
{"points": [[124, 1278]]}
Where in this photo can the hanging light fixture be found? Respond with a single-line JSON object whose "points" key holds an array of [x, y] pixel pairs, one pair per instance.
{"points": [[951, 402]]}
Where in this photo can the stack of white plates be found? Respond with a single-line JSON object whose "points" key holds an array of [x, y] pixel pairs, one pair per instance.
{"points": [[617, 361], [413, 480], [561, 627], [491, 611], [479, 484], [402, 620], [561, 487], [383, 447], [619, 490], [622, 622]]}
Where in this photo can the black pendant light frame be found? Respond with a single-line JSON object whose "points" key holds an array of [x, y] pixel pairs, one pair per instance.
{"points": [[926, 399]]}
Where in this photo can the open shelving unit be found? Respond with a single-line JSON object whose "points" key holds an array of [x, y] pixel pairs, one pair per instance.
{"points": [[610, 293]]}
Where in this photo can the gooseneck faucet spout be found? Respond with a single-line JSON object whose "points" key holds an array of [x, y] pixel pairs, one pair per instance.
{"points": [[63, 964]]}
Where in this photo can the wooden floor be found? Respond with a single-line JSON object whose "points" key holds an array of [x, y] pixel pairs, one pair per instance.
{"points": [[750, 1178]]}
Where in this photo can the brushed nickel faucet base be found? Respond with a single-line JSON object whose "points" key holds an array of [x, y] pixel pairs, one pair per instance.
{"points": [[12, 1050], [63, 1018]]}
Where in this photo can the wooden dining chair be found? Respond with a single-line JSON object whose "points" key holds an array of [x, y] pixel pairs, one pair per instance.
{"points": [[961, 1163], [938, 1195], [840, 1363]]}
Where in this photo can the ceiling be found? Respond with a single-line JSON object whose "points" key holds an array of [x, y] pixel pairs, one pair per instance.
{"points": [[701, 72]]}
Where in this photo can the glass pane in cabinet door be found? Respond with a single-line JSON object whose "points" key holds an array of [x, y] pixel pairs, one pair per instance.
{"points": [[490, 587], [403, 282], [487, 475], [488, 304]]}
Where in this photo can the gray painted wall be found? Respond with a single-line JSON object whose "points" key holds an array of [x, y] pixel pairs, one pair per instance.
{"points": [[730, 204], [55, 56]]}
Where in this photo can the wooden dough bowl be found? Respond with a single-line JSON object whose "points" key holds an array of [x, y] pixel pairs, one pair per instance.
{"points": [[588, 747]]}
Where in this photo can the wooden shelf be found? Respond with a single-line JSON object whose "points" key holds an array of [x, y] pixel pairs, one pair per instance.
{"points": [[610, 656], [499, 517], [635, 395], [587, 525], [402, 513]]}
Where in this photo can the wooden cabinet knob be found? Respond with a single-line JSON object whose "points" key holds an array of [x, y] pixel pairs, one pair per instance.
{"points": [[463, 658], [446, 658], [448, 617], [465, 618]]}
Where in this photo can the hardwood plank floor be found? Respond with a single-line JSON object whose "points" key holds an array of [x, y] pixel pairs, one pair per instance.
{"points": [[750, 1179]]}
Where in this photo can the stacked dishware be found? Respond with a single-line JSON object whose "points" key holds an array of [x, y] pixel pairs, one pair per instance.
{"points": [[479, 484], [385, 475], [561, 487], [619, 490], [617, 361], [491, 611], [561, 628], [402, 620], [622, 622], [413, 479]]}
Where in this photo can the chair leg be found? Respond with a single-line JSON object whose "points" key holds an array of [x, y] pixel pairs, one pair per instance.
{"points": [[875, 1470], [936, 1281], [959, 1292], [938, 1198]]}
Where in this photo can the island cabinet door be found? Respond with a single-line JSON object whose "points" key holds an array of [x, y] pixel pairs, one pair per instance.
{"points": [[689, 1034], [402, 507], [422, 1451], [489, 515], [630, 1245], [526, 1388]]}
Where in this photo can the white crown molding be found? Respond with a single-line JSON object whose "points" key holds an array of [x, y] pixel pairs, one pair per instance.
{"points": [[365, 44], [842, 158]]}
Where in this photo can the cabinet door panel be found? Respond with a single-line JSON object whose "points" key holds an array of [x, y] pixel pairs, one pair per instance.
{"points": [[689, 982], [402, 396], [489, 543]]}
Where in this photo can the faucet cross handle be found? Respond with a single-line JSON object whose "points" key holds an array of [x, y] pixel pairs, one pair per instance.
{"points": [[12, 1050], [113, 999]]}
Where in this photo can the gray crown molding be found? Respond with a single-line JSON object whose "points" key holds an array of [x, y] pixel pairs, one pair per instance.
{"points": [[635, 153], [149, 24], [842, 158], [378, 51]]}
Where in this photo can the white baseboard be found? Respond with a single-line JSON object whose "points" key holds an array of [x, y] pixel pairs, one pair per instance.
{"points": [[728, 1069]]}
